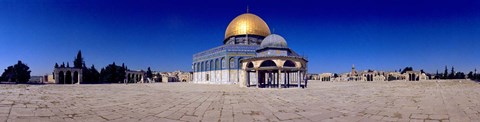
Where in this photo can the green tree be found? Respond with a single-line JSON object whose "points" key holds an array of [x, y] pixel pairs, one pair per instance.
{"points": [[22, 72], [102, 75], [8, 74], [407, 69], [452, 74], [459, 75], [78, 62], [445, 74], [19, 73], [95, 75], [149, 73], [86, 74], [113, 73], [470, 75], [121, 73]]}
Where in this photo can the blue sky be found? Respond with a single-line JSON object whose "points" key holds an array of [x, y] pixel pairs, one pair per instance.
{"points": [[373, 34]]}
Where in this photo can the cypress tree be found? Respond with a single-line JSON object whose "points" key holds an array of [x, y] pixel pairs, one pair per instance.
{"points": [[445, 74], [78, 62], [452, 74], [149, 73]]}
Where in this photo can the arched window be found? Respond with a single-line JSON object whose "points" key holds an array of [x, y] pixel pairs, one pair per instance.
{"points": [[232, 63], [201, 67], [250, 65], [194, 67], [207, 66], [75, 77], [223, 62], [217, 64], [288, 63], [238, 63], [212, 64], [268, 63], [198, 67]]}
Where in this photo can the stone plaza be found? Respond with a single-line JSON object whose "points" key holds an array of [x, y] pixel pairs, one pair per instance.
{"points": [[455, 101]]}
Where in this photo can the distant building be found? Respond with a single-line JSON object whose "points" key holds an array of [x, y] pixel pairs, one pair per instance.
{"points": [[132, 76], [47, 79], [67, 75], [176, 76], [372, 75]]}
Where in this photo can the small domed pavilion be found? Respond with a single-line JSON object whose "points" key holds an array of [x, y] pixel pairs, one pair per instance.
{"points": [[274, 66]]}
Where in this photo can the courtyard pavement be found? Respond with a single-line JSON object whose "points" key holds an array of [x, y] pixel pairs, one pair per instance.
{"points": [[454, 101]]}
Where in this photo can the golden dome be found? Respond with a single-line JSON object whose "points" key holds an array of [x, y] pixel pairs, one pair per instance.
{"points": [[249, 24]]}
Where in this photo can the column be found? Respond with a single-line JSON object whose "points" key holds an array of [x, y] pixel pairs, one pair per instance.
{"points": [[56, 77], [79, 77], [64, 77], [258, 78], [285, 79], [279, 78], [71, 75], [248, 79], [268, 79], [288, 79], [298, 78]]}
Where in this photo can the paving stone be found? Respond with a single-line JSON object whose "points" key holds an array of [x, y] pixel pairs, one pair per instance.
{"points": [[416, 120], [419, 116], [286, 116], [325, 116], [22, 112], [438, 117], [190, 118]]}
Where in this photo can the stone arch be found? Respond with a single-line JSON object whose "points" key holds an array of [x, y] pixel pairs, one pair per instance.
{"points": [[68, 77], [250, 65], [201, 67], [138, 77], [132, 78], [268, 63], [129, 77], [289, 63], [75, 77], [61, 77]]}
